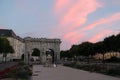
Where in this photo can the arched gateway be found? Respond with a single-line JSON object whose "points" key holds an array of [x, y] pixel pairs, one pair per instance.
{"points": [[50, 46]]}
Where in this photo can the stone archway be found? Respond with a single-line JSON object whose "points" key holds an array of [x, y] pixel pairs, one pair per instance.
{"points": [[43, 45]]}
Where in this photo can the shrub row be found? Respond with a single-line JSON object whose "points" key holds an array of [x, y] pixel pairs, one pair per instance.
{"points": [[97, 68], [22, 71]]}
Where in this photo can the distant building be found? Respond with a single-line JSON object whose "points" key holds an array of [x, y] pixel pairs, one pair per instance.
{"points": [[107, 55], [15, 41]]}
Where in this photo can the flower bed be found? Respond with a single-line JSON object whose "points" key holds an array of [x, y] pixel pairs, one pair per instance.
{"points": [[6, 70], [22, 71]]}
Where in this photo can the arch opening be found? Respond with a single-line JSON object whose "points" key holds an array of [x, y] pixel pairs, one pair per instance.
{"points": [[35, 54], [50, 52]]}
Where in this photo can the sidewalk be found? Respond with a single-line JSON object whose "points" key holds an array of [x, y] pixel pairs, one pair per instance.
{"points": [[66, 73]]}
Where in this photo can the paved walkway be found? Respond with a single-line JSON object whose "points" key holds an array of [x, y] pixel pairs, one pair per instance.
{"points": [[66, 73]]}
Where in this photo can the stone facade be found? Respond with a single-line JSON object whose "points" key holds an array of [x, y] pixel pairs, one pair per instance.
{"points": [[43, 45], [15, 41], [18, 46], [25, 46]]}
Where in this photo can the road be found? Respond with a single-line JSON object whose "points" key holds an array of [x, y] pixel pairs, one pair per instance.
{"points": [[66, 73]]}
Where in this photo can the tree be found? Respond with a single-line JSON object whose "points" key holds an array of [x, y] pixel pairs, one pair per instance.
{"points": [[5, 47], [36, 52], [112, 43], [74, 50], [86, 49], [100, 48], [118, 42], [65, 54]]}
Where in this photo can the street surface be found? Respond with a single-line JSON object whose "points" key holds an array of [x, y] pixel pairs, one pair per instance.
{"points": [[66, 73]]}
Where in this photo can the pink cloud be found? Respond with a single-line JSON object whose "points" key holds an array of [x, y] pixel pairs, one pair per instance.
{"points": [[99, 36], [103, 21], [73, 37], [77, 12], [74, 14]]}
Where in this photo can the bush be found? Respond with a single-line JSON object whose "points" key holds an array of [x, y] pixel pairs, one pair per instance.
{"points": [[113, 60], [22, 71], [96, 68], [113, 72], [16, 60], [70, 64], [21, 63]]}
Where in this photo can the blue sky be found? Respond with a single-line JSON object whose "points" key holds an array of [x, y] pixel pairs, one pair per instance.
{"points": [[73, 21]]}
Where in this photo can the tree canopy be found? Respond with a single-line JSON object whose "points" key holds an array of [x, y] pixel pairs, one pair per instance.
{"points": [[111, 43], [5, 47]]}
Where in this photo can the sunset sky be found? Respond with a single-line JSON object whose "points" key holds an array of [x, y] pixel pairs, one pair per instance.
{"points": [[73, 21]]}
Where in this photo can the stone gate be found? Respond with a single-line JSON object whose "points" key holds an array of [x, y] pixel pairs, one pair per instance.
{"points": [[43, 45]]}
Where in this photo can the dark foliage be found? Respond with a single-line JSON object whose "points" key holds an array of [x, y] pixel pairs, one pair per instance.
{"points": [[5, 47], [22, 71], [86, 49], [113, 60], [114, 71]]}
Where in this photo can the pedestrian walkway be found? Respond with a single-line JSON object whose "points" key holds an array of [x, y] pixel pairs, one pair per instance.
{"points": [[66, 73]]}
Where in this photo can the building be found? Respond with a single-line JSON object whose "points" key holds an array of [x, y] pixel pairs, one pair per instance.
{"points": [[28, 44], [107, 55], [15, 41]]}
